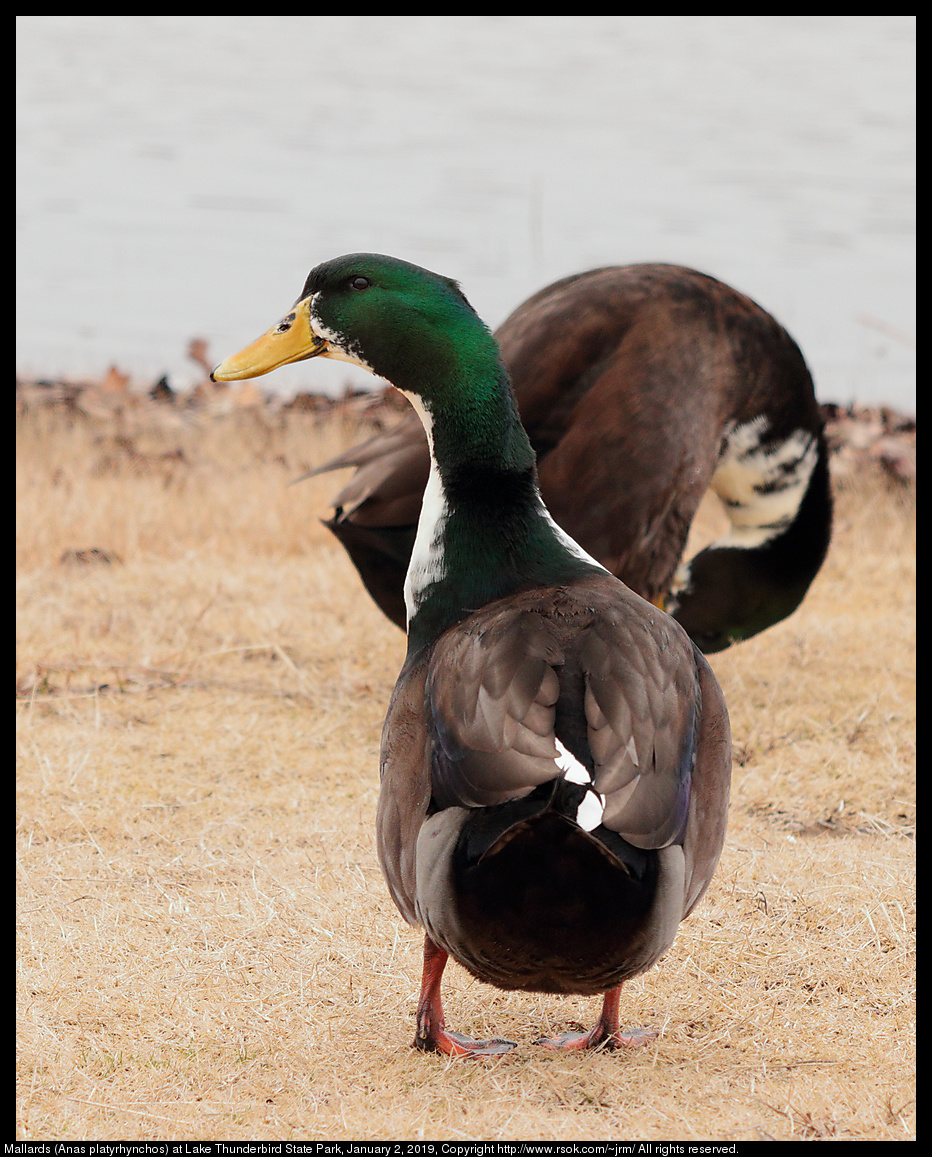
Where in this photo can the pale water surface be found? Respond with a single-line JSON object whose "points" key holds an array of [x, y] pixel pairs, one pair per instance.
{"points": [[179, 175]]}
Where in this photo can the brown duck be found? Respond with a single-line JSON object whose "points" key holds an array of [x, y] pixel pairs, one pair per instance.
{"points": [[640, 387], [556, 754]]}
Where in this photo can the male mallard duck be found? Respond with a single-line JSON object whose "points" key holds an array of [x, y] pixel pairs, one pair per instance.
{"points": [[556, 755], [640, 387]]}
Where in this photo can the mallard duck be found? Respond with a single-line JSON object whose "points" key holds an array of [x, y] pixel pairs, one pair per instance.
{"points": [[640, 387], [556, 755]]}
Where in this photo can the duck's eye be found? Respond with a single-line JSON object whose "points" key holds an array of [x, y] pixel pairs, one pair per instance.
{"points": [[359, 283]]}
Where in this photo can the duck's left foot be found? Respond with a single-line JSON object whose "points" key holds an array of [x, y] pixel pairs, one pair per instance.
{"points": [[432, 1033], [606, 1033], [455, 1044], [598, 1038]]}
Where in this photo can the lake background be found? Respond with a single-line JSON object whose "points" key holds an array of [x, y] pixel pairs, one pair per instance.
{"points": [[178, 176]]}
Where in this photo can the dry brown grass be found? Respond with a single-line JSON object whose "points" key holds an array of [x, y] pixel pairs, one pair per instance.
{"points": [[206, 949]]}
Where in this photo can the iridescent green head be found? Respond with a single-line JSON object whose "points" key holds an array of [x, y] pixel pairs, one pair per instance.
{"points": [[406, 324]]}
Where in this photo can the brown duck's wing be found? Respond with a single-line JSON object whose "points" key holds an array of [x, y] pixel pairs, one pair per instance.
{"points": [[630, 381], [711, 782], [642, 705], [492, 690], [628, 474], [592, 665], [404, 795]]}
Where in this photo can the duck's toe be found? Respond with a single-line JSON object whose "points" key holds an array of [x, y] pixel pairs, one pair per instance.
{"points": [[606, 1033], [598, 1038], [455, 1044]]}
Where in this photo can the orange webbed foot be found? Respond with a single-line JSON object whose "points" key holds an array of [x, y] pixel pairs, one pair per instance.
{"points": [[606, 1033], [598, 1038], [455, 1044], [432, 1033]]}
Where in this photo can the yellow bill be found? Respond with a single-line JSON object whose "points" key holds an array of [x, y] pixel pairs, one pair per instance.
{"points": [[291, 340]]}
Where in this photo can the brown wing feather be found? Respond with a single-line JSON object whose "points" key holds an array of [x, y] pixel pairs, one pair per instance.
{"points": [[708, 804], [492, 690], [405, 789], [642, 702], [494, 686]]}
